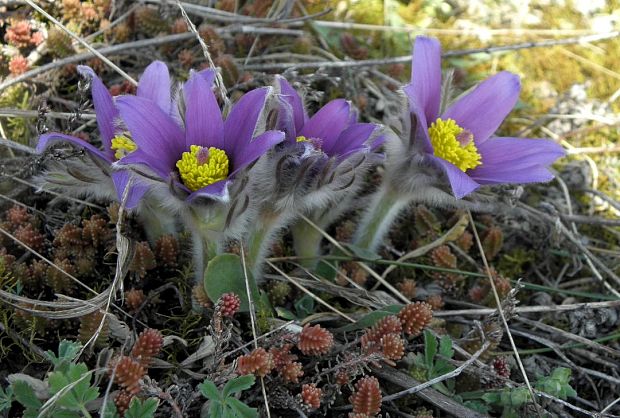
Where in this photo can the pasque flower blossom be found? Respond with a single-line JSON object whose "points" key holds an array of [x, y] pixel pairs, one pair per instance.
{"points": [[454, 147], [333, 129], [344, 151], [460, 140], [154, 85], [201, 158], [319, 166]]}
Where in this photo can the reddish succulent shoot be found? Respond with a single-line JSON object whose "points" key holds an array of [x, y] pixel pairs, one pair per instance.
{"points": [[315, 340], [228, 304]]}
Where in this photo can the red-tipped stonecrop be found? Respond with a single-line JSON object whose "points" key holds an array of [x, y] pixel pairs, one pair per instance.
{"points": [[147, 346], [259, 362], [415, 317], [228, 304], [367, 397], [315, 340], [311, 396], [127, 373]]}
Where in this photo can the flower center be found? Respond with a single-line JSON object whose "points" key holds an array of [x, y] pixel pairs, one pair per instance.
{"points": [[454, 144], [202, 166], [317, 143], [122, 146]]}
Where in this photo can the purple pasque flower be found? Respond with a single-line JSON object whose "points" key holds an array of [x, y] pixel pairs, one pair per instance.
{"points": [[154, 85], [459, 141], [333, 129], [201, 158]]}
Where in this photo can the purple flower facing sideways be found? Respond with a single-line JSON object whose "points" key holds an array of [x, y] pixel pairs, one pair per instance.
{"points": [[333, 129], [460, 140], [154, 85], [204, 156]]}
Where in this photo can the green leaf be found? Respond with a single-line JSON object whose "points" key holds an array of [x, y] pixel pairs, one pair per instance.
{"points": [[445, 347], [363, 253], [371, 318], [557, 384], [67, 352], [477, 406], [216, 409], [304, 306], [78, 377], [142, 409], [327, 269], [238, 384], [562, 374], [110, 410], [491, 397], [209, 390], [224, 274], [228, 413], [25, 395], [516, 397], [430, 349], [6, 398], [241, 409], [66, 414], [285, 313]]}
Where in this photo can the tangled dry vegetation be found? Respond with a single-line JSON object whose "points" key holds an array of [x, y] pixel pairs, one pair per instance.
{"points": [[511, 312]]}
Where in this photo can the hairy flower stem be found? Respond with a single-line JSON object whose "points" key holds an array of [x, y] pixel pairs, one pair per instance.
{"points": [[385, 206], [307, 242], [156, 221], [205, 230], [260, 238]]}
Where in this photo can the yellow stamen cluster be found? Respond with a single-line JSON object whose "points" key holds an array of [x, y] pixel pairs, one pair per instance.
{"points": [[122, 146], [201, 167], [445, 135], [301, 139]]}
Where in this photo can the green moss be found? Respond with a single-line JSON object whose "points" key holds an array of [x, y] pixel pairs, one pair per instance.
{"points": [[16, 97]]}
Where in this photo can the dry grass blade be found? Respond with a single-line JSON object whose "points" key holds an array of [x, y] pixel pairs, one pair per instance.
{"points": [[373, 273], [308, 292], [83, 42], [450, 235], [219, 81], [532, 309], [501, 312], [248, 289], [438, 379]]}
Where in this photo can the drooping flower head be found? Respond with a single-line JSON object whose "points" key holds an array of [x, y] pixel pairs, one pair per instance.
{"points": [[153, 85], [460, 140], [202, 157], [333, 129], [337, 151]]}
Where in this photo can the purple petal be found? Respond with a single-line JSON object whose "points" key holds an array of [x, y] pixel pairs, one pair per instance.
{"points": [[217, 191], [104, 108], [203, 118], [377, 142], [208, 75], [46, 139], [155, 85], [426, 76], [485, 108], [292, 115], [350, 140], [151, 161], [532, 174], [461, 183], [155, 133], [241, 123], [419, 123], [512, 151], [328, 123], [120, 179], [255, 149]]}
